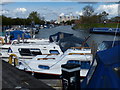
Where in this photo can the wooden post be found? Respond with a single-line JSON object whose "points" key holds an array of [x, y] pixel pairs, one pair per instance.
{"points": [[61, 35], [93, 48], [18, 38], [6, 38], [31, 33], [23, 37]]}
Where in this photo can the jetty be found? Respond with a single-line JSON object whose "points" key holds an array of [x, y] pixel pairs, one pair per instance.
{"points": [[12, 78]]}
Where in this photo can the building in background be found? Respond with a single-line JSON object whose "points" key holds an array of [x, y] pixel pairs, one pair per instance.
{"points": [[64, 18]]}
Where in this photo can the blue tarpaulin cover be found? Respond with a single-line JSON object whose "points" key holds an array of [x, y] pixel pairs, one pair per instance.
{"points": [[107, 71], [18, 32]]}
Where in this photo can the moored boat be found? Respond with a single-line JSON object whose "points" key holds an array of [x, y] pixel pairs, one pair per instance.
{"points": [[105, 30], [51, 64]]}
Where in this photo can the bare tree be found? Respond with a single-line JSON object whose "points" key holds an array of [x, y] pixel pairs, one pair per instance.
{"points": [[104, 15], [88, 10]]}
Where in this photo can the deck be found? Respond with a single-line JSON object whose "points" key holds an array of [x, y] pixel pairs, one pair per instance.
{"points": [[13, 78]]}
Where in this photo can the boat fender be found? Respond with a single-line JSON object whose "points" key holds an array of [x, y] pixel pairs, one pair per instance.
{"points": [[2, 40], [11, 59]]}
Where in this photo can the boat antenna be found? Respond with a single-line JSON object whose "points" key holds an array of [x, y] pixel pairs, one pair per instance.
{"points": [[117, 26], [115, 35], [85, 40]]}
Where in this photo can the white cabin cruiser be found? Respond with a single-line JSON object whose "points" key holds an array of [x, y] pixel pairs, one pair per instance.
{"points": [[51, 64], [30, 48], [5, 46]]}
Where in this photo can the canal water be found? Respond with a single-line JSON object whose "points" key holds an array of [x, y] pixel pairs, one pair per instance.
{"points": [[97, 38]]}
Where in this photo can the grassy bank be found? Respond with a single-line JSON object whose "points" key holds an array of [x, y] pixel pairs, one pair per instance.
{"points": [[95, 25]]}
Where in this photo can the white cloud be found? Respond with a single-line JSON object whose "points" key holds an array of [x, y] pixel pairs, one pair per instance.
{"points": [[20, 10], [62, 14], [111, 9], [79, 13], [4, 12]]}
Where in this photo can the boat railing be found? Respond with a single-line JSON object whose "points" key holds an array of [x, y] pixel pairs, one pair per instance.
{"points": [[79, 54], [28, 66], [51, 54], [80, 47], [44, 58]]}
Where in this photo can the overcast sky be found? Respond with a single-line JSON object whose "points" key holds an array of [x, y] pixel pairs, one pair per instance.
{"points": [[51, 10]]}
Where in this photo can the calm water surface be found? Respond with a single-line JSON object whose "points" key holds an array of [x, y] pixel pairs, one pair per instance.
{"points": [[97, 38]]}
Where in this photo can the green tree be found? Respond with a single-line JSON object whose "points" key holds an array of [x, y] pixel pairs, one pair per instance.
{"points": [[34, 17]]}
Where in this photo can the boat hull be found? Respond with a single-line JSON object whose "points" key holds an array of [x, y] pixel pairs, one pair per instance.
{"points": [[40, 75], [105, 30]]}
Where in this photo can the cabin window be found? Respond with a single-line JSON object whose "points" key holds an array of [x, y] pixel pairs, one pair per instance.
{"points": [[29, 52], [83, 64], [43, 67], [74, 61], [35, 52], [54, 52], [25, 52], [4, 49]]}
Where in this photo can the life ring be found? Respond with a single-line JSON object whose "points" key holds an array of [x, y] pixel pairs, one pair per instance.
{"points": [[110, 29], [11, 59], [1, 39]]}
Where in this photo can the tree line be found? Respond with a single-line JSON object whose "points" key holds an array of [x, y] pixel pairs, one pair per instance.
{"points": [[91, 19], [33, 18]]}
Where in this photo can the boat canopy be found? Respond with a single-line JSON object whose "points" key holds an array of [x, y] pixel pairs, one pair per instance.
{"points": [[56, 37], [14, 34], [107, 72], [71, 41]]}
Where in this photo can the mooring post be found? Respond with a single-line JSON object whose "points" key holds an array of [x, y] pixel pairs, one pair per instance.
{"points": [[6, 38], [71, 76], [18, 38], [23, 37], [94, 49], [31, 33]]}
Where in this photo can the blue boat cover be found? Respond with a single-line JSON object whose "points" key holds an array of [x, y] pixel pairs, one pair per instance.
{"points": [[105, 30], [56, 37], [107, 71], [15, 34]]}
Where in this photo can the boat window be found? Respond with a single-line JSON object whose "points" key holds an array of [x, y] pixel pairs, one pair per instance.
{"points": [[117, 70], [74, 61], [35, 52], [83, 64], [10, 50], [16, 42], [29, 52], [4, 48], [25, 52], [102, 47], [43, 67], [54, 52]]}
